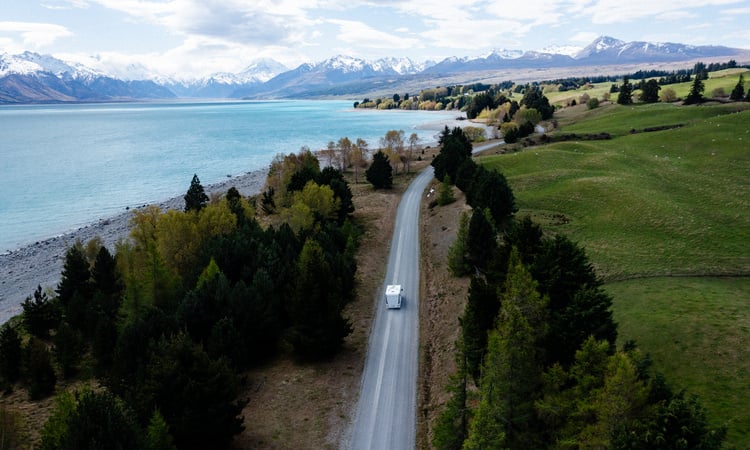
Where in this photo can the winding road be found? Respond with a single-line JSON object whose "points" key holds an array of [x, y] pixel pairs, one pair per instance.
{"points": [[386, 416]]}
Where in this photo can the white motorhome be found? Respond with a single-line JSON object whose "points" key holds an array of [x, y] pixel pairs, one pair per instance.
{"points": [[393, 296]]}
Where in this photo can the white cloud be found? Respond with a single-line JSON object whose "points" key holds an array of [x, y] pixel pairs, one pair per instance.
{"points": [[735, 11], [361, 34], [618, 11], [584, 37], [62, 5], [35, 35]]}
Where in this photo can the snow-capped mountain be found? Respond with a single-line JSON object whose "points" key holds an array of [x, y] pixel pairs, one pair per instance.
{"points": [[30, 63], [226, 84], [609, 50], [31, 77]]}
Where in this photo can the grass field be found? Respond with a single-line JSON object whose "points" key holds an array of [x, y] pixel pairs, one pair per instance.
{"points": [[663, 210], [722, 79], [698, 332]]}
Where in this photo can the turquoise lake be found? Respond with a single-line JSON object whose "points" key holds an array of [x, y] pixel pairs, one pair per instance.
{"points": [[65, 166]]}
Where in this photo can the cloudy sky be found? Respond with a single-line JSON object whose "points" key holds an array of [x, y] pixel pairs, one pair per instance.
{"points": [[205, 36]]}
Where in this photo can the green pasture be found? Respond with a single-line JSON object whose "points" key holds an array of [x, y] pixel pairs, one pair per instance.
{"points": [[722, 79], [665, 219], [697, 331]]}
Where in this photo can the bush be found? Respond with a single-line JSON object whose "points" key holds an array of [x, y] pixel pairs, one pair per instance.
{"points": [[39, 374], [445, 194], [509, 130], [668, 95], [592, 103]]}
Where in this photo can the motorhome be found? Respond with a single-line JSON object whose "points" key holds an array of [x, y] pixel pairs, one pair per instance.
{"points": [[393, 294]]}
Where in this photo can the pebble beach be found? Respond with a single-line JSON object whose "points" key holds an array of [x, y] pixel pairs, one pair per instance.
{"points": [[40, 263]]}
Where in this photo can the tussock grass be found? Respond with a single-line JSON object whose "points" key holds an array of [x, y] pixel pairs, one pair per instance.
{"points": [[665, 218]]}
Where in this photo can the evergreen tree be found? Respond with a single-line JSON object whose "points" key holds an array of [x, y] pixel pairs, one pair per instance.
{"points": [[696, 92], [457, 253], [455, 148], [738, 93], [513, 367], [196, 395], [452, 424], [465, 174], [40, 314], [625, 97], [481, 244], [196, 197], [578, 305], [68, 348], [650, 91], [380, 172], [98, 420], [157, 434], [75, 277], [38, 372], [534, 99], [10, 353], [479, 316], [490, 190], [318, 328]]}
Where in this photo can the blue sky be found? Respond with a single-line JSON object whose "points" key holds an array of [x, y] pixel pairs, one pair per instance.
{"points": [[198, 37]]}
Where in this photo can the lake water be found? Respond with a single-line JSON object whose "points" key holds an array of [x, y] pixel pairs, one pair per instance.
{"points": [[64, 166]]}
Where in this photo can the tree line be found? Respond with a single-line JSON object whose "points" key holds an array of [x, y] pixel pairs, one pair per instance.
{"points": [[168, 322], [537, 362]]}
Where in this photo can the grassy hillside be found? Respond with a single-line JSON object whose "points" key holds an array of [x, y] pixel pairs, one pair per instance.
{"points": [[662, 209], [722, 79]]}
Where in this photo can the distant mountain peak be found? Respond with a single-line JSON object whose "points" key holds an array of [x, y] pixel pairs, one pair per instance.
{"points": [[33, 77]]}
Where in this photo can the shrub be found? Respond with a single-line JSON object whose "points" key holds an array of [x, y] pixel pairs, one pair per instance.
{"points": [[592, 103], [668, 95], [40, 376]]}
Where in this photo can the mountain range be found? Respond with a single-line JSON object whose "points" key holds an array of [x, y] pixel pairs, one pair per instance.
{"points": [[34, 78]]}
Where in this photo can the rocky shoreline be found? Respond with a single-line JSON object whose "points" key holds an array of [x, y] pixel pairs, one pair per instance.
{"points": [[40, 264]]}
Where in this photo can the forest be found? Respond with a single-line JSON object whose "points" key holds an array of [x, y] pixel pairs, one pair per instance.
{"points": [[158, 333]]}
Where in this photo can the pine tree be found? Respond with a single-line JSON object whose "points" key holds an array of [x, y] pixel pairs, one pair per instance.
{"points": [[40, 314], [457, 253], [196, 197], [380, 172], [738, 93], [157, 434], [318, 327], [39, 375], [10, 353], [696, 92], [625, 97], [513, 367], [452, 424]]}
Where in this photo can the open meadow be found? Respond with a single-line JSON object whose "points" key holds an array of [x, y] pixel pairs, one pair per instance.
{"points": [[665, 219]]}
